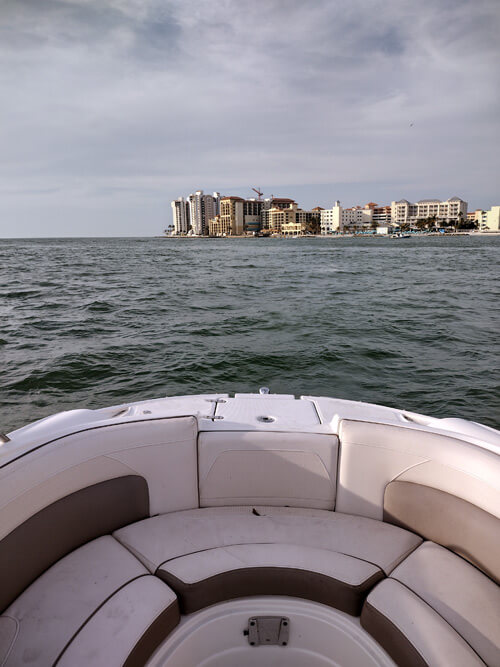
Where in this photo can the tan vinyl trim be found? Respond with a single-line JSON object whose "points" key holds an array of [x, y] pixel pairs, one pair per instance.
{"points": [[448, 520]]}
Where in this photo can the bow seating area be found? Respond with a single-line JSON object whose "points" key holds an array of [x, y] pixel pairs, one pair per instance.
{"points": [[111, 536]]}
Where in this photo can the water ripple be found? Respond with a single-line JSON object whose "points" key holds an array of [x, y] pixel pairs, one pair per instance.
{"points": [[92, 322]]}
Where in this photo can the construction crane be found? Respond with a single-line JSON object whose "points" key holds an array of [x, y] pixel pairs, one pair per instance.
{"points": [[259, 193]]}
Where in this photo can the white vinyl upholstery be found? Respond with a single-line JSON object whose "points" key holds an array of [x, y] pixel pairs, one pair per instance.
{"points": [[202, 565], [60, 601], [163, 538], [245, 467], [433, 639], [163, 452], [460, 593], [114, 630], [372, 455]]}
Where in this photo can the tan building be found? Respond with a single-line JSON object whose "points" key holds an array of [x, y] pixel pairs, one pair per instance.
{"points": [[278, 218], [271, 203], [217, 228], [230, 220], [293, 228]]}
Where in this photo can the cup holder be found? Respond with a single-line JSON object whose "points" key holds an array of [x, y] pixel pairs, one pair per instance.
{"points": [[266, 419]]}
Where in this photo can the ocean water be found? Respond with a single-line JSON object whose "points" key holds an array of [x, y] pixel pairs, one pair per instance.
{"points": [[411, 323]]}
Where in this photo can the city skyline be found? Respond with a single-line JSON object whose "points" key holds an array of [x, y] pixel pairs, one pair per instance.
{"points": [[110, 109]]}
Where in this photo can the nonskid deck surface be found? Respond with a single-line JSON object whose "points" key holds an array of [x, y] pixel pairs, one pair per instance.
{"points": [[200, 512]]}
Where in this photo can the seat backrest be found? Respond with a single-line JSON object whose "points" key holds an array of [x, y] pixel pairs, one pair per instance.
{"points": [[267, 468], [445, 489], [81, 486], [82, 516]]}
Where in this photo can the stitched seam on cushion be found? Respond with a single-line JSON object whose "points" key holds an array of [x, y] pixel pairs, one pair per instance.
{"points": [[250, 544], [4, 661], [405, 555], [137, 643], [95, 428], [66, 646], [436, 611]]}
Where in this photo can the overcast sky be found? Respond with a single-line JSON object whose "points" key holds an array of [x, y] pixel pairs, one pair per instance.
{"points": [[111, 108]]}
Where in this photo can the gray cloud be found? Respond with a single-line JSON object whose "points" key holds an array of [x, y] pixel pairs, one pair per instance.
{"points": [[111, 108]]}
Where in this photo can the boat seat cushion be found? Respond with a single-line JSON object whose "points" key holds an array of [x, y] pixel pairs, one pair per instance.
{"points": [[39, 625], [204, 578], [127, 628], [411, 631], [66, 524], [163, 538], [460, 593]]}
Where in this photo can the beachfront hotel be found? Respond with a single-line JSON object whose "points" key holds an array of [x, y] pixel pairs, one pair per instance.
{"points": [[449, 211]]}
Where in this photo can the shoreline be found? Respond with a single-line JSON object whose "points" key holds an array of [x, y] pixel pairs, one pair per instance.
{"points": [[333, 236]]}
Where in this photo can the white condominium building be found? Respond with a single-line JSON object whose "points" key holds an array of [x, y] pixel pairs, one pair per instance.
{"points": [[202, 208], [451, 210], [489, 221], [180, 215], [338, 219], [331, 219]]}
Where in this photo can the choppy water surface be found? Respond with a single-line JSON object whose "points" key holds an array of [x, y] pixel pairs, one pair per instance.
{"points": [[94, 322]]}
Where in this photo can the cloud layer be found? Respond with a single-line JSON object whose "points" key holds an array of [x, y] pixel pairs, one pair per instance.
{"points": [[110, 108]]}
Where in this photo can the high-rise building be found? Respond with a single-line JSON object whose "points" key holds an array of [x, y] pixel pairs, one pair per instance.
{"points": [[231, 215], [180, 215], [451, 210], [216, 196], [252, 209], [202, 208]]}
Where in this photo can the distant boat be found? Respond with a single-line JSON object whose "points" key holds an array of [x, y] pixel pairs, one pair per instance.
{"points": [[400, 235]]}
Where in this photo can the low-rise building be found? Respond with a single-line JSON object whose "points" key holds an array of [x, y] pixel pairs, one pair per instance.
{"points": [[337, 219], [277, 218], [274, 203], [292, 228], [356, 219], [450, 211], [382, 215]]}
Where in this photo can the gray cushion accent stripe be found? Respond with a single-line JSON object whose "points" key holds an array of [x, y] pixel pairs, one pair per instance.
{"points": [[160, 628], [397, 645], [68, 523], [250, 581]]}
